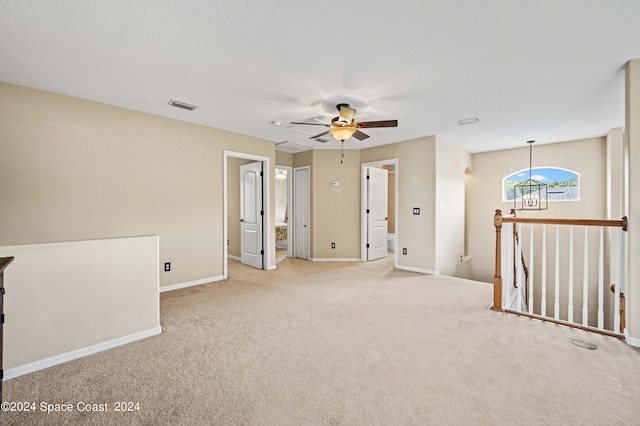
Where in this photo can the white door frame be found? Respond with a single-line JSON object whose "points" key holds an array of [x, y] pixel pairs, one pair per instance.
{"points": [[267, 230], [308, 218], [363, 206], [378, 209], [289, 208], [252, 215]]}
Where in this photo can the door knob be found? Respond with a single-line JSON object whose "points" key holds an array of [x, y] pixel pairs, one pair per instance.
{"points": [[241, 220]]}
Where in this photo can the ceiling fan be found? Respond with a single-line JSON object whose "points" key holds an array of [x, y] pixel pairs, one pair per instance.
{"points": [[344, 126]]}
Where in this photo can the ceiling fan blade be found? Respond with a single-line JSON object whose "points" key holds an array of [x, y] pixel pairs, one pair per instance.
{"points": [[347, 114], [318, 135], [383, 123], [360, 136], [311, 124]]}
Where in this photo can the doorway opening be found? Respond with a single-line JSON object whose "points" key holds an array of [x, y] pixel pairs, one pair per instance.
{"points": [[283, 210], [247, 229], [379, 230]]}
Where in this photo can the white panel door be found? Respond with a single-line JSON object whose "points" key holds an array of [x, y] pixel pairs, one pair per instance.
{"points": [[251, 214], [301, 212], [377, 212]]}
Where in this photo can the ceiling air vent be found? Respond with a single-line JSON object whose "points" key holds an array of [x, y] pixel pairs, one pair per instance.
{"points": [[468, 121], [291, 147], [182, 105]]}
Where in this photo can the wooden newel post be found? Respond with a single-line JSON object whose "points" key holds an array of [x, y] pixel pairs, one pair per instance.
{"points": [[497, 278]]}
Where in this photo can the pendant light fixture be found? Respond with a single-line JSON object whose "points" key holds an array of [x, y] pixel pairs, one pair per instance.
{"points": [[530, 194]]}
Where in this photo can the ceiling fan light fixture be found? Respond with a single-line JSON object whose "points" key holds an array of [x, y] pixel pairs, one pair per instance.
{"points": [[342, 133]]}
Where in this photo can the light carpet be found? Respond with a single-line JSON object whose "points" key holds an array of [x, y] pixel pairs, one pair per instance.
{"points": [[343, 344]]}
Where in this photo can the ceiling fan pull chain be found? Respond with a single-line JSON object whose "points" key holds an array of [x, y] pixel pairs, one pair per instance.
{"points": [[341, 151]]}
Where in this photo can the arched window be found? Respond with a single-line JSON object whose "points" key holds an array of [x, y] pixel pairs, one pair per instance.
{"points": [[563, 184]]}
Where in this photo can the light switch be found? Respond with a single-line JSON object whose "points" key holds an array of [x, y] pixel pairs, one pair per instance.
{"points": [[416, 210]]}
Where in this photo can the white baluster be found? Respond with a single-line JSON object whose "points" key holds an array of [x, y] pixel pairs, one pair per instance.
{"points": [[585, 279], [519, 270], [507, 274], [543, 284], [556, 300], [601, 281], [530, 302], [570, 307], [512, 265]]}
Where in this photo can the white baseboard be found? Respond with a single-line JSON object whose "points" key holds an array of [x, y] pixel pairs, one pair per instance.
{"points": [[335, 259], [632, 341], [420, 270], [12, 373], [190, 283], [230, 256]]}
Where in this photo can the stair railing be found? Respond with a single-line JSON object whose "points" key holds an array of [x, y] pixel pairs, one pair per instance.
{"points": [[511, 271]]}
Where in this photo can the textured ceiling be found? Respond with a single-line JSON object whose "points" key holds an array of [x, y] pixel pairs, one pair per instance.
{"points": [[544, 70]]}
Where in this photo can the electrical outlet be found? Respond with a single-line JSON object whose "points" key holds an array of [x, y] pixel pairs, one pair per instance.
{"points": [[404, 250], [227, 242], [333, 245], [167, 266]]}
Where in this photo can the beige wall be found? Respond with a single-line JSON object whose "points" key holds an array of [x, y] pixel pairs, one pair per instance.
{"points": [[416, 176], [632, 130], [233, 204], [72, 296], [77, 170], [335, 210], [284, 159], [303, 158], [451, 163], [586, 157]]}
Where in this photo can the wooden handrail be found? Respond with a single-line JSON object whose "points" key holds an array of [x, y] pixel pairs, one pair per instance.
{"points": [[622, 223]]}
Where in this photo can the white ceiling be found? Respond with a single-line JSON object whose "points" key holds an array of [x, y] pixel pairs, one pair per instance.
{"points": [[549, 70]]}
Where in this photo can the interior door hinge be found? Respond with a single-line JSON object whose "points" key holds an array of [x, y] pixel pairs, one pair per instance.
{"points": [[367, 211], [261, 251], [261, 212], [2, 319], [367, 177], [261, 173], [367, 245]]}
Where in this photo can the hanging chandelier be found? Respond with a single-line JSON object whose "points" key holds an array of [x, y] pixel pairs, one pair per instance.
{"points": [[281, 174], [530, 194]]}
